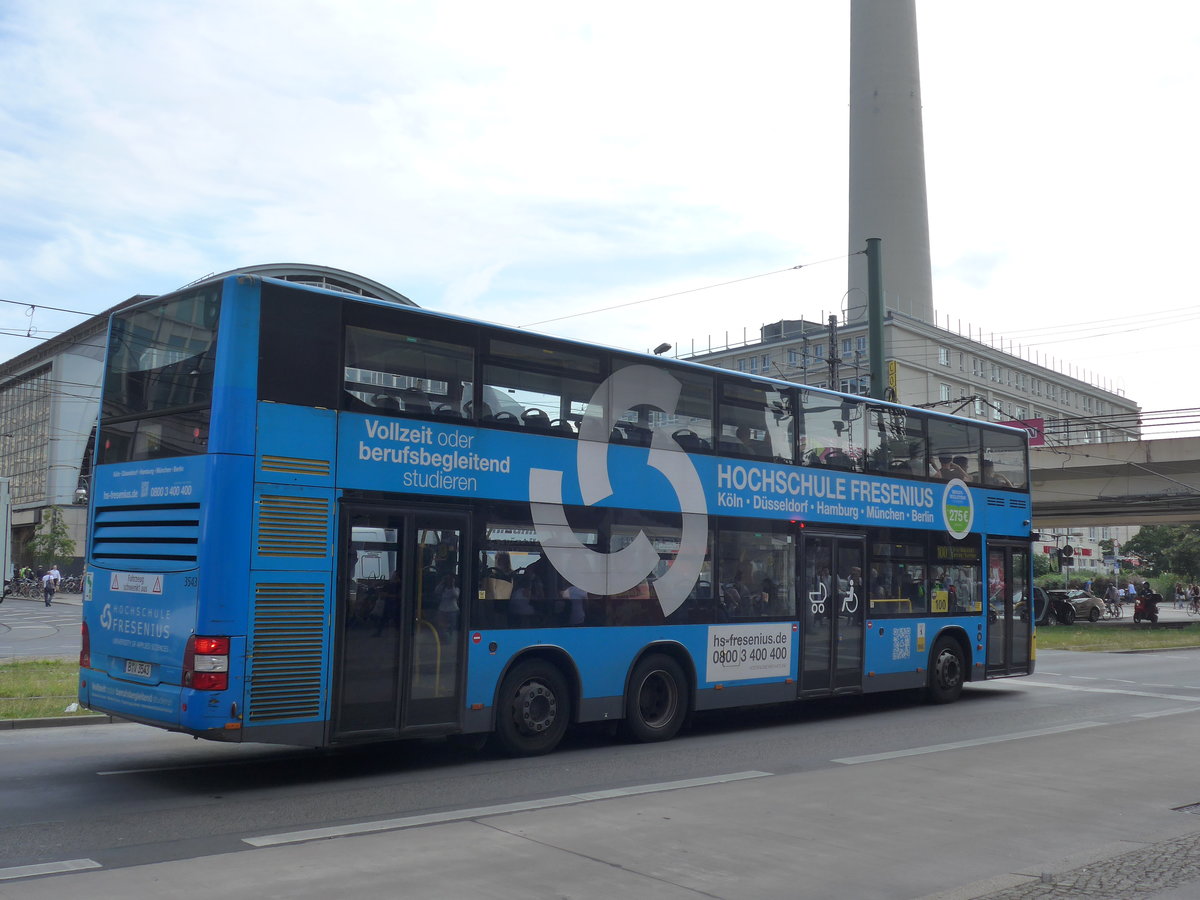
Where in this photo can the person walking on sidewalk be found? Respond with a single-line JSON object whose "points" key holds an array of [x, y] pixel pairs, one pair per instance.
{"points": [[48, 585]]}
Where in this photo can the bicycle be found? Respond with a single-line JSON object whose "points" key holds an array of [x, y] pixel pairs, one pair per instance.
{"points": [[1113, 609], [1193, 607]]}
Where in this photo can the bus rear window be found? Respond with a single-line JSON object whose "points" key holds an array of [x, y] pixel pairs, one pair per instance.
{"points": [[158, 378], [160, 357]]}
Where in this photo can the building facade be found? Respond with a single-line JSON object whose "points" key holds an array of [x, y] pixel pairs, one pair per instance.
{"points": [[933, 367]]}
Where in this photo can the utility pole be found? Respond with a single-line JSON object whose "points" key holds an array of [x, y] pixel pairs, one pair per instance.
{"points": [[875, 316], [834, 360]]}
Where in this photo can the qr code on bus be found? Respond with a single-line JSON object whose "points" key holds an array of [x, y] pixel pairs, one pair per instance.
{"points": [[901, 643]]}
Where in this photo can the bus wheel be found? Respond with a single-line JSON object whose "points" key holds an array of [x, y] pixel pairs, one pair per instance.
{"points": [[658, 700], [946, 672], [534, 709]]}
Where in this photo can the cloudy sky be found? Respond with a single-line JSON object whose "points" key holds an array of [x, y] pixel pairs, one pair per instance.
{"points": [[535, 161]]}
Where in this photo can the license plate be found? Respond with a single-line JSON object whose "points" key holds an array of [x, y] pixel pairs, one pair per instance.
{"points": [[140, 669]]}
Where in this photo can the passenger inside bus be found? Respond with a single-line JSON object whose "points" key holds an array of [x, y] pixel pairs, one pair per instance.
{"points": [[992, 477], [949, 467]]}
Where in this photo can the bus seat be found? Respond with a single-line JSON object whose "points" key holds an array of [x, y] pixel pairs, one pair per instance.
{"points": [[415, 400], [536, 419]]}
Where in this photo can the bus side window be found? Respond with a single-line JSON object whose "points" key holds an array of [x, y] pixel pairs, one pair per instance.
{"points": [[402, 374]]}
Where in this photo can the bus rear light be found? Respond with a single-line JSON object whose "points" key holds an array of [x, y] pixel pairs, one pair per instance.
{"points": [[206, 663], [85, 648], [211, 646]]}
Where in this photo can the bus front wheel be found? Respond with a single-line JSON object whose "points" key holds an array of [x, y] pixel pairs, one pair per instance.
{"points": [[657, 702], [946, 671], [534, 709]]}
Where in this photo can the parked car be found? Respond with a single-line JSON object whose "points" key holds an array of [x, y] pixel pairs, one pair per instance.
{"points": [[1086, 604], [1041, 607]]}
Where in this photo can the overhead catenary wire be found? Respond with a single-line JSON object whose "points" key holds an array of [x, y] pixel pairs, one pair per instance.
{"points": [[694, 290]]}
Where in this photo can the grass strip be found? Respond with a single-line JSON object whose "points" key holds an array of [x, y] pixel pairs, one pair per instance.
{"points": [[1116, 637], [39, 688]]}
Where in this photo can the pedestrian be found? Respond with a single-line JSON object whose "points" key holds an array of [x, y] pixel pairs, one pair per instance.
{"points": [[56, 575], [48, 585]]}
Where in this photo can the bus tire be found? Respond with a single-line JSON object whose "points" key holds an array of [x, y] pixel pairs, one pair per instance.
{"points": [[533, 710], [656, 704], [947, 671]]}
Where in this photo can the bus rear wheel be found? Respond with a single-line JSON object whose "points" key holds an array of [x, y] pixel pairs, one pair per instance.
{"points": [[946, 672], [657, 702], [534, 709]]}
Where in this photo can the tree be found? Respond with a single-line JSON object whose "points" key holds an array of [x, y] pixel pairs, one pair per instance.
{"points": [[1167, 548], [53, 541], [1042, 565]]}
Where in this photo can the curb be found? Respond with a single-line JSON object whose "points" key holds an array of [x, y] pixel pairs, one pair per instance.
{"points": [[61, 721]]}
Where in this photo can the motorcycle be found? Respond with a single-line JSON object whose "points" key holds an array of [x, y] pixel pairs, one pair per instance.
{"points": [[1147, 608]]}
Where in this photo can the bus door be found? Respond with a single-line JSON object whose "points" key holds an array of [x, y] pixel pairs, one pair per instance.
{"points": [[832, 596], [1010, 607], [399, 637]]}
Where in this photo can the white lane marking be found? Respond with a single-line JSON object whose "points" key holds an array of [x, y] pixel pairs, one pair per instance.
{"points": [[1095, 690], [228, 763], [50, 868], [313, 834], [1165, 712], [959, 745]]}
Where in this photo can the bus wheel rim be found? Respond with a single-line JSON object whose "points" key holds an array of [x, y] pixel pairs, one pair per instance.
{"points": [[536, 707], [658, 699], [947, 669]]}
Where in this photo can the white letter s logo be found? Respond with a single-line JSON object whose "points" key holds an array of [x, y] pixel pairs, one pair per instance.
{"points": [[611, 573]]}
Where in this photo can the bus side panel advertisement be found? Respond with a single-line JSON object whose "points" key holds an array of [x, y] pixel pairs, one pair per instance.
{"points": [[742, 652], [449, 460]]}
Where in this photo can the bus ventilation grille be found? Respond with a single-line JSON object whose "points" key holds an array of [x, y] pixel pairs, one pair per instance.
{"points": [[286, 655], [1017, 503], [291, 465], [995, 501], [293, 526], [167, 533]]}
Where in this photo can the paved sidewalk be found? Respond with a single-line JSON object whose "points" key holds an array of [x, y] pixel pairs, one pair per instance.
{"points": [[1166, 871], [30, 629]]}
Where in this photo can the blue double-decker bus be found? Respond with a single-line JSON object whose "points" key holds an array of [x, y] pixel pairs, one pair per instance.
{"points": [[324, 519]]}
